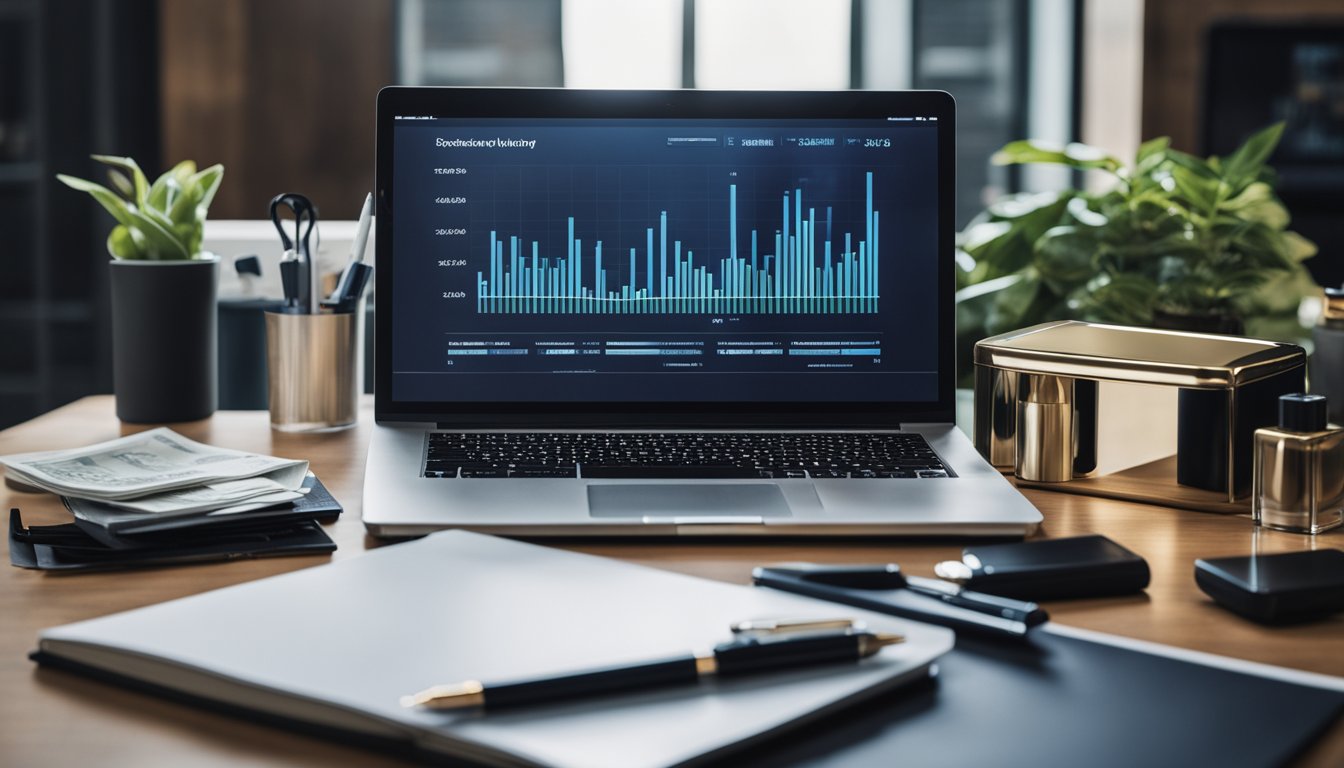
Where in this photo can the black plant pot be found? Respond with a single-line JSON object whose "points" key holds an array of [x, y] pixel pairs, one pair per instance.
{"points": [[1226, 324], [164, 339]]}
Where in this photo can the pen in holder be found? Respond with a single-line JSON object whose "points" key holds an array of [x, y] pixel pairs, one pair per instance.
{"points": [[316, 370]]}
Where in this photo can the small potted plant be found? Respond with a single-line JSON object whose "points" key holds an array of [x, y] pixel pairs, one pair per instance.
{"points": [[164, 338], [1174, 241]]}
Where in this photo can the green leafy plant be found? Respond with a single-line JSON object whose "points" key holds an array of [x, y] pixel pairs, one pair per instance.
{"points": [[163, 221], [1173, 237]]}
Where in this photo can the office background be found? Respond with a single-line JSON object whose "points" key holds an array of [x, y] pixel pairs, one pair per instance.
{"points": [[282, 95]]}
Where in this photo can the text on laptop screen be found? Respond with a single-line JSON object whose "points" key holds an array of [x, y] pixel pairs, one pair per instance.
{"points": [[581, 260]]}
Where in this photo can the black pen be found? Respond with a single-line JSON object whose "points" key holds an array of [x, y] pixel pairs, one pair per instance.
{"points": [[955, 594], [883, 588], [747, 655], [350, 286]]}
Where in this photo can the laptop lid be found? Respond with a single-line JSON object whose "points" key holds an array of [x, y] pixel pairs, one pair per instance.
{"points": [[664, 258]]}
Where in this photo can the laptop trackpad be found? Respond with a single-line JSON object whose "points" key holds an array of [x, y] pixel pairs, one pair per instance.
{"points": [[687, 500]]}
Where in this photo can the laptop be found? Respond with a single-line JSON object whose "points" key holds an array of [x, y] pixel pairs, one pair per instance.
{"points": [[670, 313]]}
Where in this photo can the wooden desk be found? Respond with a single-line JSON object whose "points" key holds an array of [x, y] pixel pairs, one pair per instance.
{"points": [[51, 718]]}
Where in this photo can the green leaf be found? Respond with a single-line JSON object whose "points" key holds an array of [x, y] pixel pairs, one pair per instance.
{"points": [[1022, 204], [160, 241], [1259, 246], [121, 244], [1125, 298], [131, 168], [184, 206], [1152, 154], [1012, 306], [1297, 248], [1074, 155], [980, 291], [1080, 211], [158, 193], [160, 216], [1258, 203], [1200, 191], [183, 172], [1191, 163], [1281, 294], [975, 237], [1002, 255], [1152, 148], [1245, 163], [1158, 217], [209, 181], [1065, 257], [106, 197], [122, 183], [1001, 247]]}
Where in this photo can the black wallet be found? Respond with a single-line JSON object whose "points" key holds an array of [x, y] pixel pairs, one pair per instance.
{"points": [[129, 540], [1053, 569], [1276, 589], [67, 548]]}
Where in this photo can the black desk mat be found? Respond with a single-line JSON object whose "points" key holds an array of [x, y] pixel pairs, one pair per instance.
{"points": [[1064, 701]]}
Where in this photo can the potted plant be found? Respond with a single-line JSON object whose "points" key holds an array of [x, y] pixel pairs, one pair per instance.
{"points": [[163, 290], [1173, 241]]}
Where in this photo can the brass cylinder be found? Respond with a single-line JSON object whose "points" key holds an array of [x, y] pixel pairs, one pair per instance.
{"points": [[316, 371], [995, 422], [1045, 441]]}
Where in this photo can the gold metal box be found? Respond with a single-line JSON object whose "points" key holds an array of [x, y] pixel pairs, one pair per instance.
{"points": [[1042, 397]]}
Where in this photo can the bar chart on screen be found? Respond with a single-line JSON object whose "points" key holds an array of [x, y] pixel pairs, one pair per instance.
{"points": [[798, 263]]}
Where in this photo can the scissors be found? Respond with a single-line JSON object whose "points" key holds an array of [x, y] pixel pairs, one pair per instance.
{"points": [[298, 271]]}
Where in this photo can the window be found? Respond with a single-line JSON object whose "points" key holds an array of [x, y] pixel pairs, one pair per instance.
{"points": [[1009, 63]]}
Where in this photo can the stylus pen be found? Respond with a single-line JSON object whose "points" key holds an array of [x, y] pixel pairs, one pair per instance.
{"points": [[350, 286], [362, 231], [954, 594], [743, 656]]}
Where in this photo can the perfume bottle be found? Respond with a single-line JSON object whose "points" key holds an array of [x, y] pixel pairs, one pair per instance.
{"points": [[1327, 361], [1298, 480]]}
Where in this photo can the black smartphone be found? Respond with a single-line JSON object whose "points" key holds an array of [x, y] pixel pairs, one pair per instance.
{"points": [[1052, 569], [1276, 589]]}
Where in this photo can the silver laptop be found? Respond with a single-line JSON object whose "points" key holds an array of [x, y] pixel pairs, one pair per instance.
{"points": [[657, 313]]}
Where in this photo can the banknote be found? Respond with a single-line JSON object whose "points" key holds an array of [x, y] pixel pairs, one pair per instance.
{"points": [[153, 463]]}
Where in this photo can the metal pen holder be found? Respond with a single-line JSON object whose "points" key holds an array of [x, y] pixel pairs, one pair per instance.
{"points": [[316, 370]]}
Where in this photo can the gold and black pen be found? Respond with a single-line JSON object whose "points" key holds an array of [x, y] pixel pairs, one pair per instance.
{"points": [[747, 655]]}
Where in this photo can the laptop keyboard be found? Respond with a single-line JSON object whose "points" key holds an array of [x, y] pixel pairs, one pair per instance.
{"points": [[681, 455]]}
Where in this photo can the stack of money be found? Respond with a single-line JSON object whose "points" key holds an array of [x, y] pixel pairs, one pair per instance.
{"points": [[160, 472]]}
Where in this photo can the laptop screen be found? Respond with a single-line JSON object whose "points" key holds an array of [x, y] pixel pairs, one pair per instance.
{"points": [[642, 260]]}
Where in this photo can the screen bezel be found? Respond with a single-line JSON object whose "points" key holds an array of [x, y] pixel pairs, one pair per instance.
{"points": [[524, 103]]}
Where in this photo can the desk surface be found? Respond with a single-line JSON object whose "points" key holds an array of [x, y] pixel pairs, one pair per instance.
{"points": [[52, 718]]}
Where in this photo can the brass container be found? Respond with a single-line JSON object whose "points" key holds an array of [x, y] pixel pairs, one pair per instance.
{"points": [[315, 370], [1044, 397], [1045, 423]]}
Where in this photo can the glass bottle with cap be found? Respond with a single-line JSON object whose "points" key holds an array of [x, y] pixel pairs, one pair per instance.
{"points": [[1298, 480], [1327, 358]]}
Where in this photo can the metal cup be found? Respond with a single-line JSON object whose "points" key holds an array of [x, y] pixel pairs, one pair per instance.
{"points": [[316, 370]]}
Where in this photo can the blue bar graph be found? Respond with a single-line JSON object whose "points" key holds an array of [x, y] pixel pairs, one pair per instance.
{"points": [[796, 278]]}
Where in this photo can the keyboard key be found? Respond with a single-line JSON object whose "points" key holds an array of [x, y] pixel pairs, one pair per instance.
{"points": [[485, 472], [569, 471]]}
